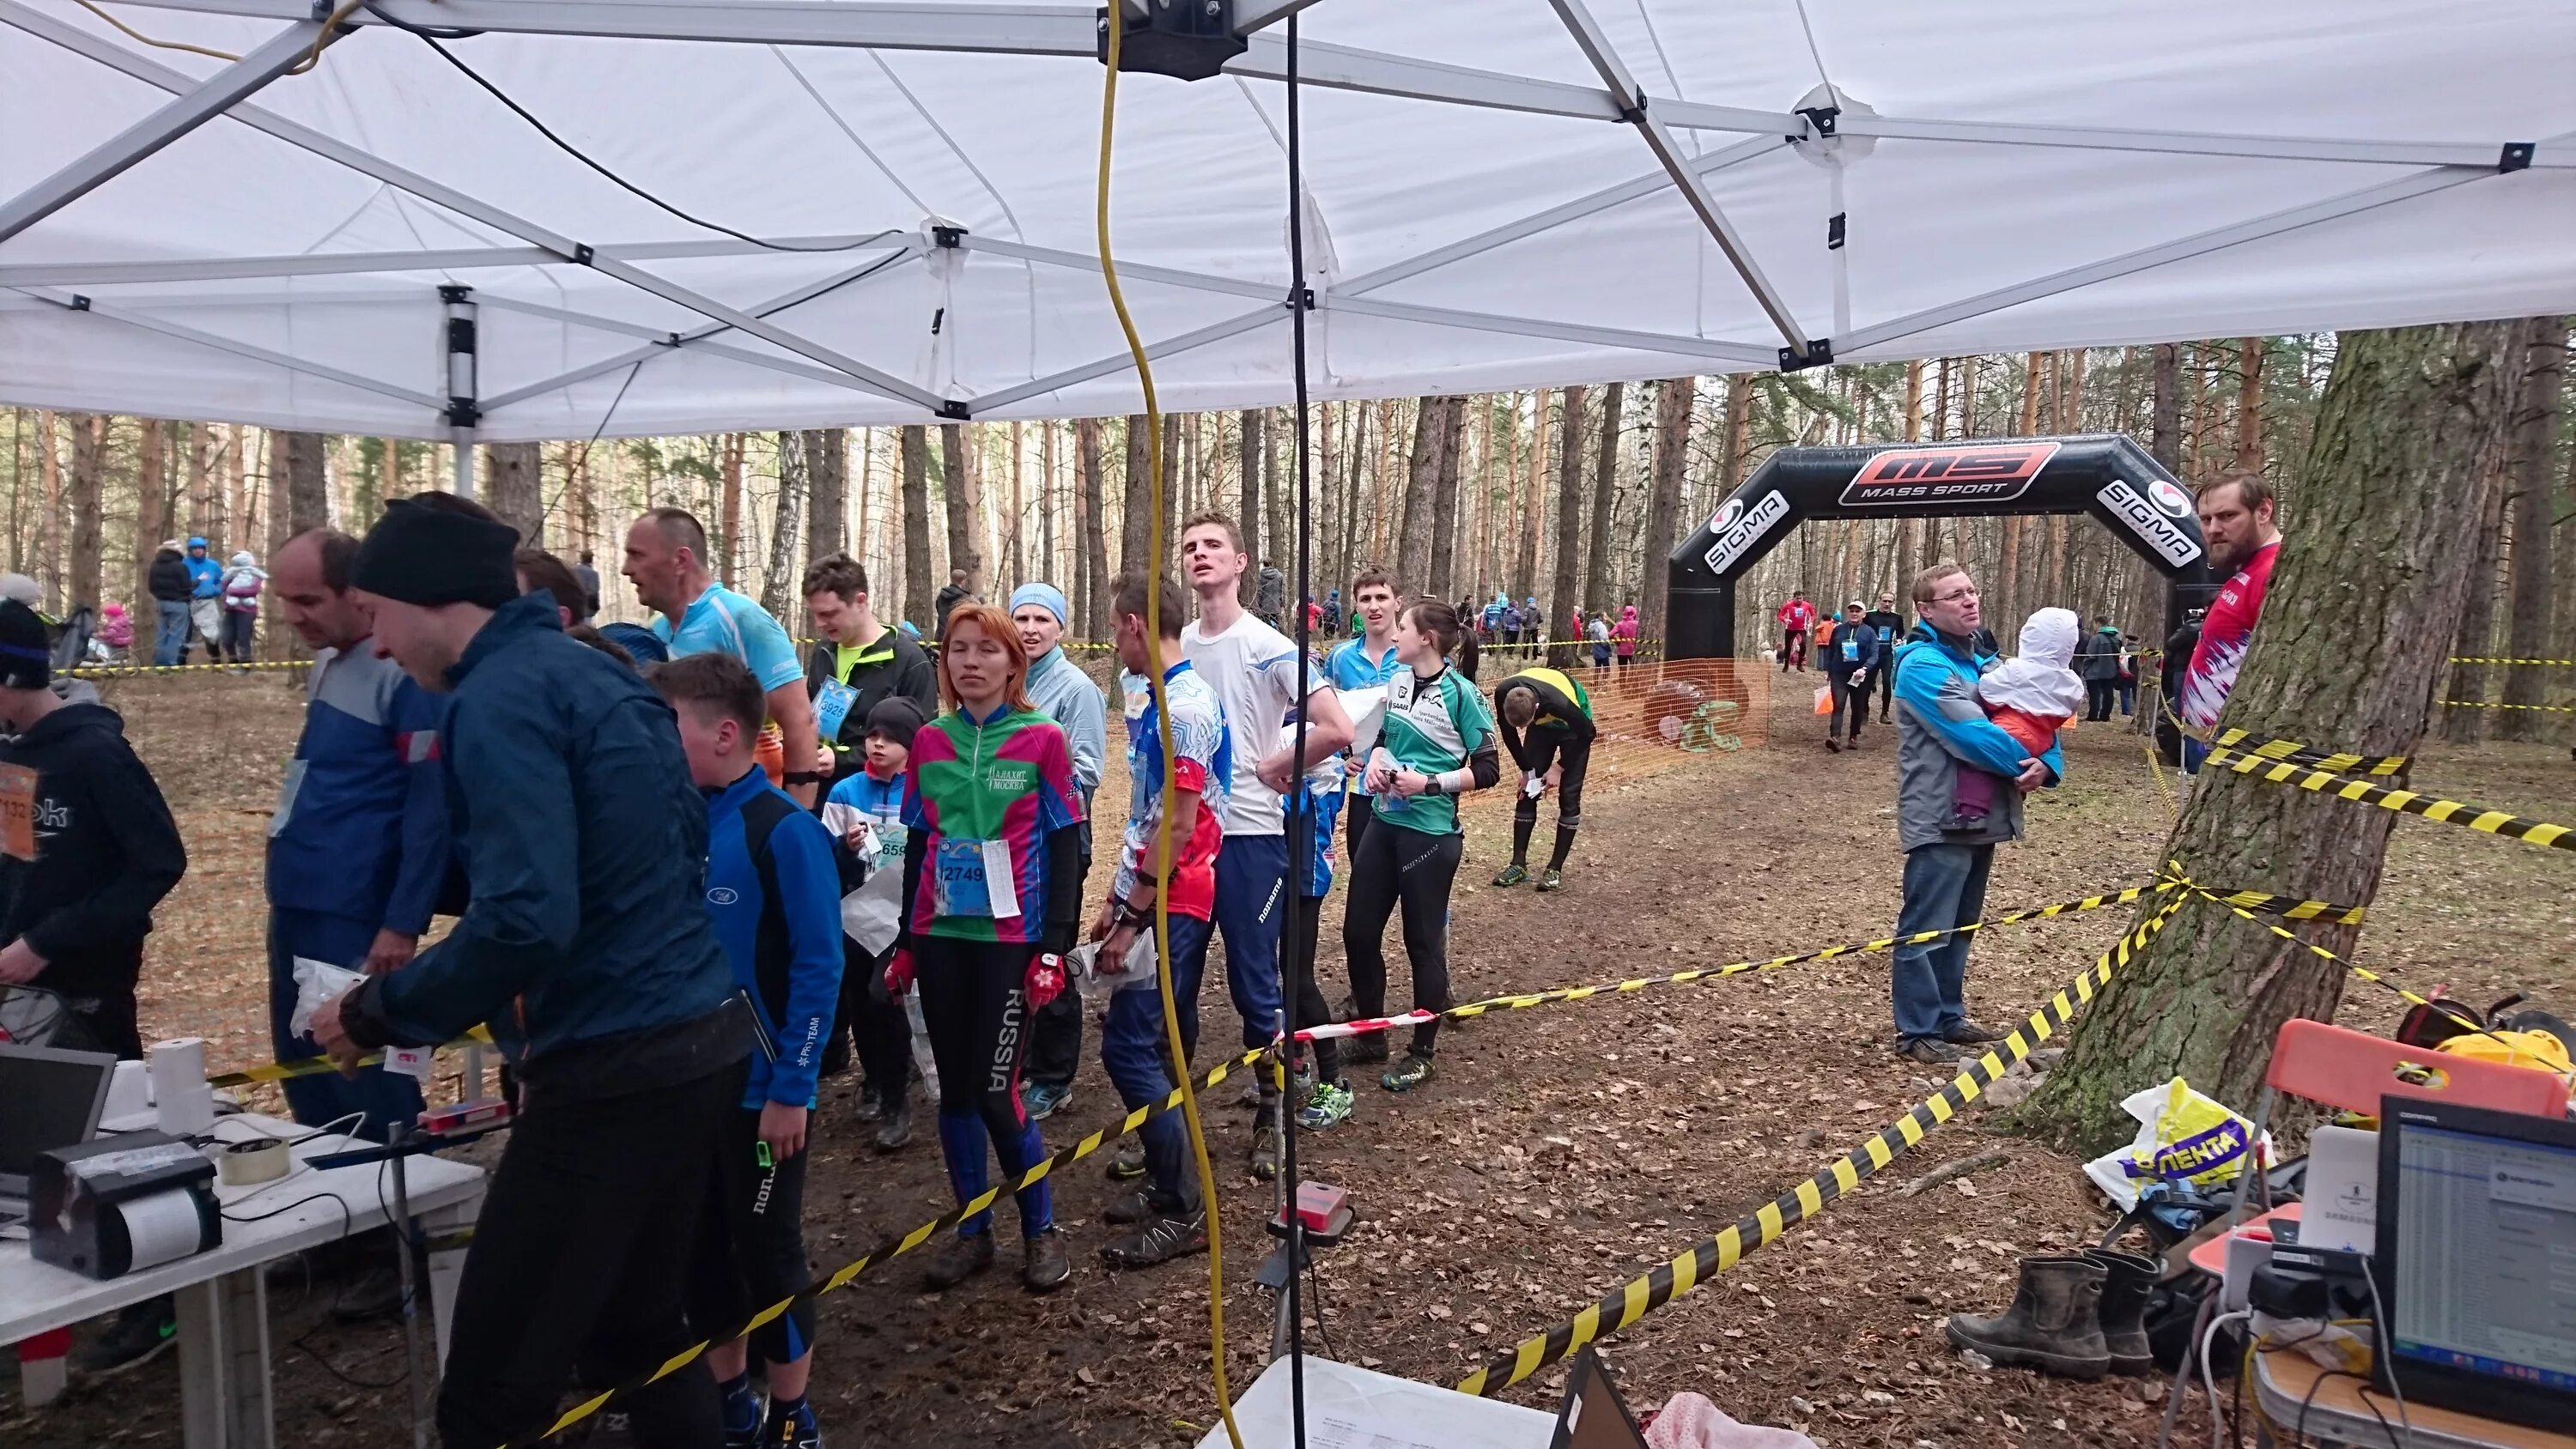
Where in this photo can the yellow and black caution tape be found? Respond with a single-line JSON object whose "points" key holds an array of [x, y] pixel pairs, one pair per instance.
{"points": [[2489, 704], [2296, 910], [2486, 659], [1706, 1259], [137, 671], [2309, 755], [315, 1066], [2365, 973], [892, 1248], [1524, 1000], [2453, 812]]}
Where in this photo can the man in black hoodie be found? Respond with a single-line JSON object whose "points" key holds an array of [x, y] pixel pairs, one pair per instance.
{"points": [[73, 918], [75, 908], [171, 588]]}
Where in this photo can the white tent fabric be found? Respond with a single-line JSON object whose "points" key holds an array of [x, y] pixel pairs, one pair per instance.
{"points": [[1488, 204]]}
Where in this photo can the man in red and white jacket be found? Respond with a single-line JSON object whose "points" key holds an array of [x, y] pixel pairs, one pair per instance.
{"points": [[1797, 622], [2236, 521]]}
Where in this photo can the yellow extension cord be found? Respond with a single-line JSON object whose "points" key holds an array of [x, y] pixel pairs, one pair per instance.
{"points": [[312, 58], [1163, 731]]}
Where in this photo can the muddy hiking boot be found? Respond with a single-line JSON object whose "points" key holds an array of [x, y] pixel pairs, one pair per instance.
{"points": [[960, 1258], [2054, 1323], [1158, 1240], [2130, 1279], [1512, 874], [1046, 1264]]}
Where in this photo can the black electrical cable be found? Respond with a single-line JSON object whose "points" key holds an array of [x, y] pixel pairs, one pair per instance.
{"points": [[427, 32], [576, 153], [1301, 827]]}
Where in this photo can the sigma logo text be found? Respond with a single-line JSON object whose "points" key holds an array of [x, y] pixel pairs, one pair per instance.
{"points": [[1984, 473], [2169, 497], [1743, 530], [2148, 522]]}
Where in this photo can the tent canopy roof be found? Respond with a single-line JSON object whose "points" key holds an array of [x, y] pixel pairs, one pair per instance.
{"points": [[1501, 193]]}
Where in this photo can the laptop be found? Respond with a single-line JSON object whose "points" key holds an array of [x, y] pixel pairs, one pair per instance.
{"points": [[49, 1098], [2476, 1260], [1593, 1415]]}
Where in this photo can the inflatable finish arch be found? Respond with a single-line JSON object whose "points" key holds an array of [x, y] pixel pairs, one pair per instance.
{"points": [[2106, 475]]}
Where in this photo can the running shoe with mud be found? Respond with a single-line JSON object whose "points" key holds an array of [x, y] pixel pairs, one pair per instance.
{"points": [[1512, 874], [1410, 1073], [1158, 1240], [1328, 1106], [961, 1258]]}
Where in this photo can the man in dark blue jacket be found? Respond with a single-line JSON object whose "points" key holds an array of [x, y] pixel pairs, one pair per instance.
{"points": [[357, 850], [587, 950], [1850, 660]]}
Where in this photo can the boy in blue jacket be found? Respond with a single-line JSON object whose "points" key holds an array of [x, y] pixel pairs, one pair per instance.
{"points": [[774, 897]]}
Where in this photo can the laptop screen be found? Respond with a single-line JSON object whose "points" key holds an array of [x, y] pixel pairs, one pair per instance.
{"points": [[48, 1099], [2485, 1267]]}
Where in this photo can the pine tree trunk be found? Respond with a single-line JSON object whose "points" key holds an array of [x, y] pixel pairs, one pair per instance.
{"points": [[1534, 509], [2475, 637], [308, 484], [49, 550], [88, 487], [1562, 597], [2249, 404], [917, 585], [729, 546], [514, 489], [151, 515], [1673, 399], [794, 479], [1444, 496], [1092, 526], [237, 478], [2353, 632], [1413, 515], [957, 491], [1014, 553], [2164, 408], [2533, 450], [1605, 473], [827, 475], [1255, 443]]}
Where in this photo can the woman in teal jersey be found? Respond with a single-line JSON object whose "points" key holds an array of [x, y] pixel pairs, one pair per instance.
{"points": [[1437, 743]]}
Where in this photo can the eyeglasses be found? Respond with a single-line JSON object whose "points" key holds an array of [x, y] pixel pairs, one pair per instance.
{"points": [[1953, 597]]}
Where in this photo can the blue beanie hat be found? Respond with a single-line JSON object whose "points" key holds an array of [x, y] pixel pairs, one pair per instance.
{"points": [[1046, 596]]}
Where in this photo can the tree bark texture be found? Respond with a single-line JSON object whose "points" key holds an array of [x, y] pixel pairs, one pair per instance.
{"points": [[2475, 636], [88, 489], [775, 580], [308, 489], [957, 487], [1605, 477], [918, 586], [1094, 542], [514, 489], [2249, 404], [827, 479], [1525, 566], [1413, 518], [2349, 647], [151, 516], [1134, 520], [2533, 449], [2164, 408], [1673, 399], [728, 544], [1444, 497], [1255, 445], [1562, 595]]}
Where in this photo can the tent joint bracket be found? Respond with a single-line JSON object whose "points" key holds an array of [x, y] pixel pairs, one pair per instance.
{"points": [[1814, 352], [582, 254], [948, 238], [1820, 122], [2516, 156], [955, 411], [80, 303]]}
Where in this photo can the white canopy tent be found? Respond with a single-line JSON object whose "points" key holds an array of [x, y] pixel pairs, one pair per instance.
{"points": [[1501, 193]]}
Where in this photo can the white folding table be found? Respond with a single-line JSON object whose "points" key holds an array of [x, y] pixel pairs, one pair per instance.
{"points": [[222, 1296]]}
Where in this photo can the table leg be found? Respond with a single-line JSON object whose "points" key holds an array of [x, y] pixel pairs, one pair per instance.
{"points": [[223, 1363], [446, 1264]]}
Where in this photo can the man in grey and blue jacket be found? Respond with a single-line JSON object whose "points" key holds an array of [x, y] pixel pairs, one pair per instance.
{"points": [[1064, 693], [1941, 730]]}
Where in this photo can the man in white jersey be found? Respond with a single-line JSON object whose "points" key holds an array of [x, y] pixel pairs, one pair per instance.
{"points": [[1257, 675]]}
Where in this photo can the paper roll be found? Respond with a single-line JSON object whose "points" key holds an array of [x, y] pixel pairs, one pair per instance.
{"points": [[181, 1100], [161, 1227]]}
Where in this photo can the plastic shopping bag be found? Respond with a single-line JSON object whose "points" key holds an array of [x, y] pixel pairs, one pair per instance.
{"points": [[1824, 699], [316, 982], [2182, 1137]]}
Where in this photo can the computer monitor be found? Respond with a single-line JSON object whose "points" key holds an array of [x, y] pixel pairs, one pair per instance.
{"points": [[48, 1098], [2476, 1260]]}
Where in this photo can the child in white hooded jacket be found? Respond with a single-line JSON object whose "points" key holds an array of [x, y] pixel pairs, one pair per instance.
{"points": [[2030, 696]]}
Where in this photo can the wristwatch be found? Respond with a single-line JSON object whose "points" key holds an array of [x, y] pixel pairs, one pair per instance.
{"points": [[802, 777]]}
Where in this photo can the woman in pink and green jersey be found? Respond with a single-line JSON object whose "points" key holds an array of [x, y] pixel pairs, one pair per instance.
{"points": [[992, 894]]}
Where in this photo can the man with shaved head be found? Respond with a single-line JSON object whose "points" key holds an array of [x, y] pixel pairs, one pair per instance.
{"points": [[666, 560]]}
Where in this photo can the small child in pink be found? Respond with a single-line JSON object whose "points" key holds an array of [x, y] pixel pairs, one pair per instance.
{"points": [[2030, 696]]}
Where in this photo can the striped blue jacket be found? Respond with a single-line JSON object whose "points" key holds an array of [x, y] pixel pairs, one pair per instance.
{"points": [[361, 825]]}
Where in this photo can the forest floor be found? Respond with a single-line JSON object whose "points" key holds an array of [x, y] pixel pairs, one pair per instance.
{"points": [[1561, 1151]]}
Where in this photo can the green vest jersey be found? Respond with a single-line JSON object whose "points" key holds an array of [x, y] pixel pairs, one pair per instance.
{"points": [[1432, 726]]}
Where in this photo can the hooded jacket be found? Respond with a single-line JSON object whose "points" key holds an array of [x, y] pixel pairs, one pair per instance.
{"points": [[585, 849], [107, 851], [205, 576], [242, 584], [170, 581], [2038, 681], [2100, 653], [1941, 730]]}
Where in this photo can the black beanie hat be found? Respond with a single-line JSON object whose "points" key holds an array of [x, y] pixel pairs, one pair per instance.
{"points": [[897, 716], [427, 554], [25, 661]]}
